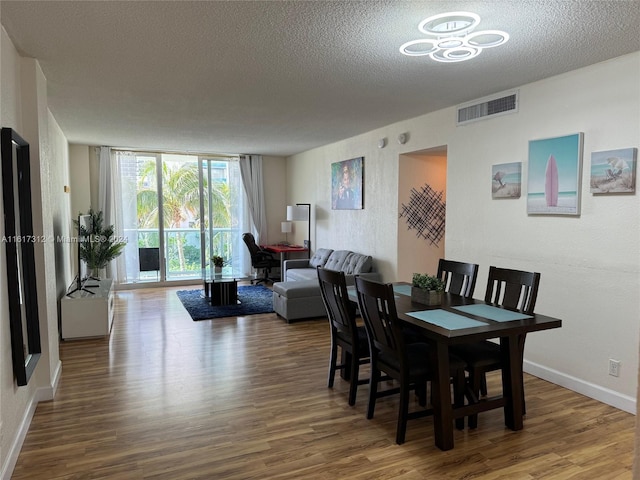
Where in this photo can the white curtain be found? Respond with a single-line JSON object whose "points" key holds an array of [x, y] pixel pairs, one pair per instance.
{"points": [[125, 164], [251, 170], [241, 218], [108, 192]]}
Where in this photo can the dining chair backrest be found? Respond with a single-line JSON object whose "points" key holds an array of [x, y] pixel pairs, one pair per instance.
{"points": [[513, 288], [377, 306], [459, 277], [341, 311]]}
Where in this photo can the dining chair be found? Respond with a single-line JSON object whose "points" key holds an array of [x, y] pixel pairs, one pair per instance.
{"points": [[407, 363], [345, 333], [458, 277], [513, 289]]}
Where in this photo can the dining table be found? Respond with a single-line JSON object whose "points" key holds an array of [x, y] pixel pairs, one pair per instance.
{"points": [[459, 320]]}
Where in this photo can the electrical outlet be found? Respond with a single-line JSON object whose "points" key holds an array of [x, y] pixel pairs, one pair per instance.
{"points": [[614, 367]]}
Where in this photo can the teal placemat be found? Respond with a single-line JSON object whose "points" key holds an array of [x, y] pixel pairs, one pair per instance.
{"points": [[492, 313], [444, 319], [353, 294], [402, 289]]}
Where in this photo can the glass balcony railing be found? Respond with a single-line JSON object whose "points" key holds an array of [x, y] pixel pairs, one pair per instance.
{"points": [[183, 251]]}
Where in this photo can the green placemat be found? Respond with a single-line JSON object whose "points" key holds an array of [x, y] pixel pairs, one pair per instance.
{"points": [[492, 313], [444, 319]]}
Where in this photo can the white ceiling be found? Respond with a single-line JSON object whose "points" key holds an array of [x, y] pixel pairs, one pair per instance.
{"points": [[281, 77]]}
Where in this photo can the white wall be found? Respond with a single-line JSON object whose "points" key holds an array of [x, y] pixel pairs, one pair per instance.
{"points": [[24, 108], [79, 180], [590, 264], [275, 181]]}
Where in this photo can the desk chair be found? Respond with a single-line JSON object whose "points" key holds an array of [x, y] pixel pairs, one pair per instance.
{"points": [[260, 259], [408, 363], [512, 289]]}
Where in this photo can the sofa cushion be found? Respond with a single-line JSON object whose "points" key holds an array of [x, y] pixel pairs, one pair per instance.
{"points": [[320, 257], [297, 289], [357, 263], [349, 262], [302, 274]]}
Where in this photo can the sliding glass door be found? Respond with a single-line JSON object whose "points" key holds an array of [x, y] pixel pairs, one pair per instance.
{"points": [[178, 211]]}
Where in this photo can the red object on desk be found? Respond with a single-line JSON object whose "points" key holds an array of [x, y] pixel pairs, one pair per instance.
{"points": [[283, 250]]}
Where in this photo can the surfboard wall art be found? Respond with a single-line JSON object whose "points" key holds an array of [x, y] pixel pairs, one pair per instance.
{"points": [[551, 182], [554, 175]]}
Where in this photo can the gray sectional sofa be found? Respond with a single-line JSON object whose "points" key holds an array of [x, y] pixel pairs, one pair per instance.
{"points": [[298, 296]]}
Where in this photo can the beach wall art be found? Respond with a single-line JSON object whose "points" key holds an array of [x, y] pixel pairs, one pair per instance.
{"points": [[614, 171], [553, 180], [347, 184], [506, 180]]}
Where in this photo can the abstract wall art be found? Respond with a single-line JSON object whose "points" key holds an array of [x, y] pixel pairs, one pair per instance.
{"points": [[425, 213]]}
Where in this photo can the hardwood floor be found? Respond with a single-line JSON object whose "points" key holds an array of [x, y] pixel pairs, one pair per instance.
{"points": [[246, 398]]}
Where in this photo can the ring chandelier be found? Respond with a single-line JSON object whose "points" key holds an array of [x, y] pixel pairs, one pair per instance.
{"points": [[453, 40]]}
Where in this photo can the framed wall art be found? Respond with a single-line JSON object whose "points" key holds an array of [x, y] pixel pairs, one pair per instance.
{"points": [[555, 167], [614, 171], [347, 184], [506, 180]]}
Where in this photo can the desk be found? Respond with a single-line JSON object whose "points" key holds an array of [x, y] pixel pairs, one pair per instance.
{"points": [[283, 250], [477, 328]]}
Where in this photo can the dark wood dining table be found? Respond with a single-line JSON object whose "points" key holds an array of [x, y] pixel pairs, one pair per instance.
{"points": [[460, 320]]}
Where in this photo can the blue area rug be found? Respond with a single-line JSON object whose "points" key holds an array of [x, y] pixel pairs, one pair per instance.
{"points": [[253, 299]]}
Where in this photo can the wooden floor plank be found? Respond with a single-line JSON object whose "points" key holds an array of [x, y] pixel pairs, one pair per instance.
{"points": [[246, 398]]}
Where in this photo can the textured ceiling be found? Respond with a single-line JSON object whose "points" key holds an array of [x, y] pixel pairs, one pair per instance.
{"points": [[281, 77]]}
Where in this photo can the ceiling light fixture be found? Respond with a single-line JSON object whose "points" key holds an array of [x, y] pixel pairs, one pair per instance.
{"points": [[454, 41]]}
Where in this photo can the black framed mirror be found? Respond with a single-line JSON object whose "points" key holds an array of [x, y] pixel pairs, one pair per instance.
{"points": [[19, 247]]}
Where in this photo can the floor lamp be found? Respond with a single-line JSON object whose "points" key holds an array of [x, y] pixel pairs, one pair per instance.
{"points": [[301, 212]]}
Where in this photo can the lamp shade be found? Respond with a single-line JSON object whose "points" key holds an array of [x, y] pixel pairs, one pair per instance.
{"points": [[297, 213], [285, 227]]}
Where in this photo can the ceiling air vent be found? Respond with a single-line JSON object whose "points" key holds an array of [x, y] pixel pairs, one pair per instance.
{"points": [[487, 107]]}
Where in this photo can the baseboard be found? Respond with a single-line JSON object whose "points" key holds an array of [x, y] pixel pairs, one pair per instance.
{"points": [[604, 395], [44, 394], [41, 394], [16, 445]]}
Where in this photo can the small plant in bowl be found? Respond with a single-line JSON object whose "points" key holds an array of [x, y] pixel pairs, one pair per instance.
{"points": [[427, 289]]}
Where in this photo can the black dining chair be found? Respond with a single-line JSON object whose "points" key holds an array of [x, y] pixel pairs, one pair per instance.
{"points": [[407, 363], [458, 277], [345, 333], [513, 289]]}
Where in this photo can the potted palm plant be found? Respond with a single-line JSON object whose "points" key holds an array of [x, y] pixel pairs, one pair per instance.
{"points": [[99, 245], [426, 289]]}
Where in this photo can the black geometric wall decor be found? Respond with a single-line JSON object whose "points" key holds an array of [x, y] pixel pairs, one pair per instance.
{"points": [[425, 214]]}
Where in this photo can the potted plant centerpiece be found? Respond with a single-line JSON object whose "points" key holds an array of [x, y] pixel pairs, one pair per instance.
{"points": [[98, 245], [218, 263], [426, 289]]}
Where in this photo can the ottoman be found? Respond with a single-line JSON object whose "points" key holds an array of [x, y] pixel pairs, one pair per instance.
{"points": [[298, 299]]}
